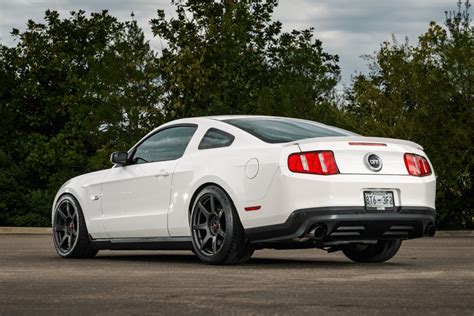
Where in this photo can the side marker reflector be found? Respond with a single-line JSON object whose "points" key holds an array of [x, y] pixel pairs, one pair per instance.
{"points": [[252, 208]]}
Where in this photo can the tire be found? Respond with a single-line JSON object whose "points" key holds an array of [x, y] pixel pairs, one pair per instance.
{"points": [[382, 251], [217, 233], [70, 235], [247, 257]]}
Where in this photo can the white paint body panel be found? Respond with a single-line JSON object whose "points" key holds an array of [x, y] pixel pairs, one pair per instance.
{"points": [[134, 201], [150, 184]]}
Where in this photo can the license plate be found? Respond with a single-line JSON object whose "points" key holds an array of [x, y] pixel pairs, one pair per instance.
{"points": [[379, 200]]}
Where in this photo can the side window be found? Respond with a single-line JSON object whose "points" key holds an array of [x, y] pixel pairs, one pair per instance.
{"points": [[215, 138], [168, 144]]}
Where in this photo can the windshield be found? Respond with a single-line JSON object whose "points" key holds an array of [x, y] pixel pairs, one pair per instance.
{"points": [[283, 130]]}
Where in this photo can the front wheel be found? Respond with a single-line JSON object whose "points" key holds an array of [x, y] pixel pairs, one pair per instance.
{"points": [[217, 234], [70, 235], [382, 251]]}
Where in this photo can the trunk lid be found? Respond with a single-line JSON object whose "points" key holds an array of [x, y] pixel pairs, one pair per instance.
{"points": [[364, 155]]}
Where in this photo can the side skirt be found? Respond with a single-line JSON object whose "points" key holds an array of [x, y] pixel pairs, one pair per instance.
{"points": [[155, 243]]}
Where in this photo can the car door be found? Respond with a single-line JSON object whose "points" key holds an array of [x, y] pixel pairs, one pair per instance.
{"points": [[136, 197]]}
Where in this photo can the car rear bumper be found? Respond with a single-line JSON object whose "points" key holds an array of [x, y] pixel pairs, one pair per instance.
{"points": [[348, 224]]}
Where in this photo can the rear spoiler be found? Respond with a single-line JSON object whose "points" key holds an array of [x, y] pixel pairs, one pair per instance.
{"points": [[356, 139]]}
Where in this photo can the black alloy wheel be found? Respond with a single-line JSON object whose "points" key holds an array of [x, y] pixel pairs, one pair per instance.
{"points": [[70, 235], [217, 234], [66, 225], [209, 225]]}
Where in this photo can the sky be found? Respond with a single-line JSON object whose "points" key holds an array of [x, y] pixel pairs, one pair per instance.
{"points": [[348, 28]]}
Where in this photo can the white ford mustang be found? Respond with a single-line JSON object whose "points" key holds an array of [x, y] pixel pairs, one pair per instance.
{"points": [[228, 185]]}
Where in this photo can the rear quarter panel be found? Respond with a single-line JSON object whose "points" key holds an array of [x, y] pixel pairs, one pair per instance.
{"points": [[225, 167]]}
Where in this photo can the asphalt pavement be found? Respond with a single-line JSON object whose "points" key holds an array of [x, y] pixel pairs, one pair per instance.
{"points": [[434, 276]]}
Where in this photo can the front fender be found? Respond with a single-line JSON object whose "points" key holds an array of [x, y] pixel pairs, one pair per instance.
{"points": [[84, 188]]}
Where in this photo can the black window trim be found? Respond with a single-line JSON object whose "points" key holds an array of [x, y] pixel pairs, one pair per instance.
{"points": [[220, 131], [132, 150]]}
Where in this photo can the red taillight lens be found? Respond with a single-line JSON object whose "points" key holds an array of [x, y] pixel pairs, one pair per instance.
{"points": [[417, 165], [316, 162]]}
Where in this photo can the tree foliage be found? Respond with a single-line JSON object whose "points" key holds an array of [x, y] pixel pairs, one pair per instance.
{"points": [[75, 89], [230, 57], [424, 93], [70, 91]]}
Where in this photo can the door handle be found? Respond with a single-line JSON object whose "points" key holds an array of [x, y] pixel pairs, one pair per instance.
{"points": [[163, 173]]}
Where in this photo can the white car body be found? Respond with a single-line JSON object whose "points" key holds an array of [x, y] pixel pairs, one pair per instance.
{"points": [[153, 200]]}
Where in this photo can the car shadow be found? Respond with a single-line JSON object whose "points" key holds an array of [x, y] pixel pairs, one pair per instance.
{"points": [[254, 262]]}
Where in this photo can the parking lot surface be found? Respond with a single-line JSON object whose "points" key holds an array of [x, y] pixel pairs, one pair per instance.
{"points": [[427, 276]]}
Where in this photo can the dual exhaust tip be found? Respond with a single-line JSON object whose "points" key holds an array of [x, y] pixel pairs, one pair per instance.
{"points": [[318, 232]]}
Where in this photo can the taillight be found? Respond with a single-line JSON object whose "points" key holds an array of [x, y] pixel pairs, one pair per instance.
{"points": [[417, 165], [316, 162]]}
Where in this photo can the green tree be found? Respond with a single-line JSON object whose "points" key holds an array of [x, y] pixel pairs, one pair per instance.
{"points": [[70, 91], [424, 93], [230, 57]]}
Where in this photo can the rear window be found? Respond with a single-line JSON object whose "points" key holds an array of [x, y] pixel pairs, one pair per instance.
{"points": [[284, 130]]}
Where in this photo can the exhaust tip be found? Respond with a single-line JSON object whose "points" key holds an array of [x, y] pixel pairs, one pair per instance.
{"points": [[319, 232], [430, 230]]}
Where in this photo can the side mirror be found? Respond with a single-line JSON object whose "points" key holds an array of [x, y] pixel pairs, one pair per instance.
{"points": [[119, 158]]}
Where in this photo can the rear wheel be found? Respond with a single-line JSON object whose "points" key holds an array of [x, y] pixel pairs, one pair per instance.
{"points": [[382, 251], [70, 235], [217, 234]]}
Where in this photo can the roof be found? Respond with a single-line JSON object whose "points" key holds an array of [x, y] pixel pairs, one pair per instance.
{"points": [[237, 116]]}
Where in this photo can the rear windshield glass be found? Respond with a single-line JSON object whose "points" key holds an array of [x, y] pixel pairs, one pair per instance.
{"points": [[284, 130]]}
